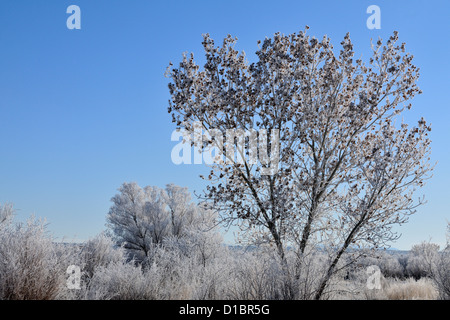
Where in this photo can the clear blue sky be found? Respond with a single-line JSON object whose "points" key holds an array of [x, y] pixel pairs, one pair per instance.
{"points": [[82, 111]]}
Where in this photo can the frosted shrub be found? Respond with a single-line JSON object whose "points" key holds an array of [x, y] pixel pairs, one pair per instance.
{"points": [[390, 266], [427, 260], [129, 280], [193, 274], [6, 213], [202, 241], [255, 275], [99, 252], [30, 266], [213, 280], [388, 263], [313, 270], [174, 273], [258, 273], [119, 281], [441, 274], [342, 172], [202, 262], [421, 260]]}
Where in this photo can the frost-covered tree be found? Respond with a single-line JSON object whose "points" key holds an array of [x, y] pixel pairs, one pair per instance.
{"points": [[347, 165], [142, 218]]}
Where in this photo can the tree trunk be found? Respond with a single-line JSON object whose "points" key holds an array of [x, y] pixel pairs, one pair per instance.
{"points": [[331, 268]]}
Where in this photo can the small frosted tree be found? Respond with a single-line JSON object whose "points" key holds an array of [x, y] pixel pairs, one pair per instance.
{"points": [[142, 218], [347, 168]]}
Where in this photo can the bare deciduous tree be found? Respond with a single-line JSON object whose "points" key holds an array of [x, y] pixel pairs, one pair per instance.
{"points": [[347, 170]]}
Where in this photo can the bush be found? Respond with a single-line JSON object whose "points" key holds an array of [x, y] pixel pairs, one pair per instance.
{"points": [[31, 267], [441, 274], [119, 281], [255, 276], [390, 264], [99, 251], [421, 260]]}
